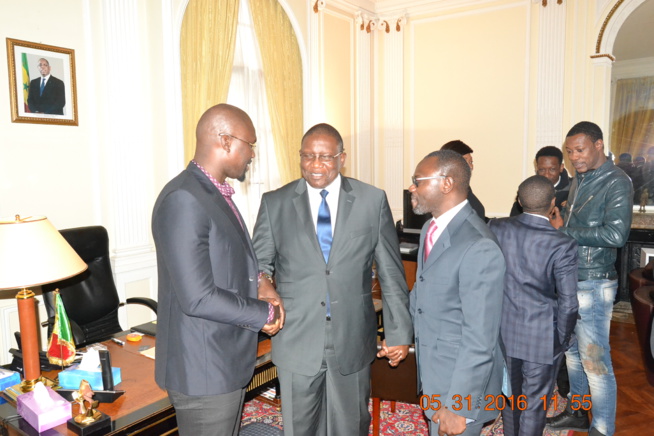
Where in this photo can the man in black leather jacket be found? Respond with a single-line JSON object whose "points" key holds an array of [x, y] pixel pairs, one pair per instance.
{"points": [[598, 215]]}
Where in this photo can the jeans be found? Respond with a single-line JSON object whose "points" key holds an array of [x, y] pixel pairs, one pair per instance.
{"points": [[589, 359]]}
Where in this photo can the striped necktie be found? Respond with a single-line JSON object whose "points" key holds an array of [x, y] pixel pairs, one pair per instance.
{"points": [[429, 239]]}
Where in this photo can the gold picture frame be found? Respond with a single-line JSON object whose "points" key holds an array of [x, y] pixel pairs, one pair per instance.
{"points": [[55, 101]]}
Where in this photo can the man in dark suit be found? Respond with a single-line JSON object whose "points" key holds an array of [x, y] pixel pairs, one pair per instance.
{"points": [[456, 302], [319, 236], [540, 306], [549, 164], [209, 314], [47, 94], [464, 150]]}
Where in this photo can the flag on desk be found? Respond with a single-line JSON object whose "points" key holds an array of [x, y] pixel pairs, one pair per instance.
{"points": [[61, 348]]}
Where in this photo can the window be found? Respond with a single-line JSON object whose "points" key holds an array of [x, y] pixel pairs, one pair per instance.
{"points": [[247, 91]]}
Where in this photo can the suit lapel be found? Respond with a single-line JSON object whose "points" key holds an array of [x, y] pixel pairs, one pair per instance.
{"points": [[304, 217], [218, 199], [345, 203], [444, 240]]}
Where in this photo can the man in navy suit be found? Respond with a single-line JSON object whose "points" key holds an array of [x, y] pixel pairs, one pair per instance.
{"points": [[540, 305], [456, 303], [47, 94]]}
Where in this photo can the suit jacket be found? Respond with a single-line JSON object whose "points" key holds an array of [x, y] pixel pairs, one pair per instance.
{"points": [[285, 242], [540, 306], [53, 99], [456, 306], [208, 315]]}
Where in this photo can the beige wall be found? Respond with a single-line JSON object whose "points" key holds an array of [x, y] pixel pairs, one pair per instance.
{"points": [[44, 169], [467, 80]]}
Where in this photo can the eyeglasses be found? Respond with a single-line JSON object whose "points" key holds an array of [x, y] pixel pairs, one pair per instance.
{"points": [[251, 144], [324, 158], [415, 180]]}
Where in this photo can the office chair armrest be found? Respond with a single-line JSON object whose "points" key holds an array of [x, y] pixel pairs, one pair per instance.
{"points": [[149, 302]]}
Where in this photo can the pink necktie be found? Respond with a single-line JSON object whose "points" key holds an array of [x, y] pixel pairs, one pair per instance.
{"points": [[429, 239]]}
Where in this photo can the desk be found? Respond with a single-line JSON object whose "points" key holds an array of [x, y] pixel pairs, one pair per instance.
{"points": [[144, 408]]}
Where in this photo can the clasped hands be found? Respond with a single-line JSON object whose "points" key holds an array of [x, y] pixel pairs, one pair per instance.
{"points": [[268, 293], [395, 354]]}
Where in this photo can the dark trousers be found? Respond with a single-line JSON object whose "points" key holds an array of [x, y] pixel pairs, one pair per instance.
{"points": [[533, 380], [218, 415], [328, 403]]}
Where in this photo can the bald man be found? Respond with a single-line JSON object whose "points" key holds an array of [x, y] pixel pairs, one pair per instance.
{"points": [[209, 314]]}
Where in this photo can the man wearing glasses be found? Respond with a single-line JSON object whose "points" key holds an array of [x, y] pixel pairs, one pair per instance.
{"points": [[209, 312], [456, 303], [319, 236]]}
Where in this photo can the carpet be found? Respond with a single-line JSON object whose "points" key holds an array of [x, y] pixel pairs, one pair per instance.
{"points": [[408, 419]]}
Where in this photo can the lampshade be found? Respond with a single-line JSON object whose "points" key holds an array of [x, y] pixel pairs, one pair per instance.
{"points": [[33, 252]]}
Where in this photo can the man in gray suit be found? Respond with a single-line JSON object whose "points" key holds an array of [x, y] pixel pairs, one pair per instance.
{"points": [[319, 236], [540, 306], [209, 314], [456, 302]]}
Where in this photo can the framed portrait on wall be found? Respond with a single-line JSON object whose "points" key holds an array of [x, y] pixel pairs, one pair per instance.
{"points": [[42, 83]]}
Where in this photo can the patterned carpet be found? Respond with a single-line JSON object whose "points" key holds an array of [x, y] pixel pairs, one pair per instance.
{"points": [[407, 420]]}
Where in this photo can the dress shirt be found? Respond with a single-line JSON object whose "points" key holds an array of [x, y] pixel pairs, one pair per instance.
{"points": [[539, 216], [443, 220], [46, 80], [334, 189]]}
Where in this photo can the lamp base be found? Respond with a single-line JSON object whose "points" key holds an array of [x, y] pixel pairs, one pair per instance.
{"points": [[13, 392]]}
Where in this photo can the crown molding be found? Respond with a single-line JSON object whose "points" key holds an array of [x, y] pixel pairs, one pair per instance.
{"points": [[416, 7]]}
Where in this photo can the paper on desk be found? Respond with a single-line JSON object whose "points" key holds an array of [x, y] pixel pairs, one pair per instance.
{"points": [[148, 353]]}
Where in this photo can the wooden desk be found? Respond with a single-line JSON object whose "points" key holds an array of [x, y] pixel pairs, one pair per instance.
{"points": [[144, 408]]}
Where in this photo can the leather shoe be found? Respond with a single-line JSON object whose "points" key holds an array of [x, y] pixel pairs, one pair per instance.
{"points": [[595, 432], [576, 420]]}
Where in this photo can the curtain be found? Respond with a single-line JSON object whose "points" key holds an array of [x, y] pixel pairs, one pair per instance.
{"points": [[247, 90], [282, 68], [632, 130], [207, 52]]}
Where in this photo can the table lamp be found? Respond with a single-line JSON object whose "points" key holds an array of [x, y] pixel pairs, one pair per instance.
{"points": [[33, 253]]}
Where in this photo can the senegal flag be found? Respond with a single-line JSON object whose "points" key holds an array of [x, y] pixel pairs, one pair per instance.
{"points": [[61, 349], [26, 81]]}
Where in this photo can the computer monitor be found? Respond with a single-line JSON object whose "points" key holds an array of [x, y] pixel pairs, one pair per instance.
{"points": [[411, 222]]}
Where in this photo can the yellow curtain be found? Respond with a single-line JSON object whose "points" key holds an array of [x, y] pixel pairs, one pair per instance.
{"points": [[207, 48], [633, 121], [282, 70]]}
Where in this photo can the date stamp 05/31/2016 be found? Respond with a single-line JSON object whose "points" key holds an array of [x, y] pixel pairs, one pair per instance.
{"points": [[501, 402]]}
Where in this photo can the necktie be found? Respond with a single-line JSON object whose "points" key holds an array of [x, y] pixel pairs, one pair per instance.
{"points": [[42, 86], [429, 239], [324, 233]]}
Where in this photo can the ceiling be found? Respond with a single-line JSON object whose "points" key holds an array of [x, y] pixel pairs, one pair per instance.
{"points": [[636, 36]]}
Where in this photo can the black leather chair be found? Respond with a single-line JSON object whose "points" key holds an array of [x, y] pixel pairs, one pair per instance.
{"points": [[91, 298]]}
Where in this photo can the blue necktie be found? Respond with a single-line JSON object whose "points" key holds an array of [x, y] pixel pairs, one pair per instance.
{"points": [[324, 233], [42, 86]]}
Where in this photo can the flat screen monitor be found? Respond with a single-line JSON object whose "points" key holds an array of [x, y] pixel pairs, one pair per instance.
{"points": [[411, 222]]}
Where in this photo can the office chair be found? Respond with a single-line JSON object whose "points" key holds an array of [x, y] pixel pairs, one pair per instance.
{"points": [[91, 298]]}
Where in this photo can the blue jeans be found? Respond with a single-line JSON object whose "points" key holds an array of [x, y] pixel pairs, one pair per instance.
{"points": [[589, 359]]}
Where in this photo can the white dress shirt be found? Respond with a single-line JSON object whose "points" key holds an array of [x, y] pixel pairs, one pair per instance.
{"points": [[315, 199]]}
